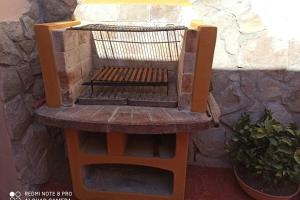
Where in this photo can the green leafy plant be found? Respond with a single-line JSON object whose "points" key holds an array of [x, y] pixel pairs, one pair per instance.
{"points": [[266, 148]]}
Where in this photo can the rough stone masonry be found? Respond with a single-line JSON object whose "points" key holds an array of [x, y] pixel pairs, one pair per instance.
{"points": [[33, 147]]}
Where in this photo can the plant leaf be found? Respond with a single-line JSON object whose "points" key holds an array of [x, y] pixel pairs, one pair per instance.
{"points": [[287, 141], [273, 141], [259, 133], [277, 166], [290, 131], [278, 174], [297, 156], [285, 150], [234, 138]]}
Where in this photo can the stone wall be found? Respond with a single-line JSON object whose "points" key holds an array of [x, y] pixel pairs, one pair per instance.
{"points": [[254, 68], [28, 150], [20, 85], [133, 13]]}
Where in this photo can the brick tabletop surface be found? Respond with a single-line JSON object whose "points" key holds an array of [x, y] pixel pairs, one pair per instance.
{"points": [[129, 119]]}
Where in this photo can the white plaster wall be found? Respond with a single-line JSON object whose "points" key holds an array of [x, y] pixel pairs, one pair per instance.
{"points": [[11, 10], [132, 14]]}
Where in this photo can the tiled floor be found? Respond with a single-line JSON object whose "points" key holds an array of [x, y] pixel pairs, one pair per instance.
{"points": [[202, 184], [212, 184]]}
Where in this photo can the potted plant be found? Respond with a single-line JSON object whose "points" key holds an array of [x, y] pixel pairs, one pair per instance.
{"points": [[266, 157]]}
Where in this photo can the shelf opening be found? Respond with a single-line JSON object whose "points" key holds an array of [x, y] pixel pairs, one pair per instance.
{"points": [[162, 146], [93, 143], [128, 178]]}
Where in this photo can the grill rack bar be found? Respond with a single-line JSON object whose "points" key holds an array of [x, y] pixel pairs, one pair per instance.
{"points": [[122, 28]]}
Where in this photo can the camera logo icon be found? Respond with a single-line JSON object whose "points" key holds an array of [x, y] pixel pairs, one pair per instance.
{"points": [[15, 195]]}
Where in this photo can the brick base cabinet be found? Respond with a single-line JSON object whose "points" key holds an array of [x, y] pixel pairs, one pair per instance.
{"points": [[137, 177], [117, 152]]}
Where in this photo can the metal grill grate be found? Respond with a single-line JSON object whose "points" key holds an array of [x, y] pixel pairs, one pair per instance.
{"points": [[128, 76], [134, 93], [136, 42]]}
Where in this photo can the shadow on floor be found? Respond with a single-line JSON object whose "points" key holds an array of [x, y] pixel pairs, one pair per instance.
{"points": [[202, 184]]}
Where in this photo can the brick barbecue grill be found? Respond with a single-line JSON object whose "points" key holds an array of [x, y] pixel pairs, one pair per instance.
{"points": [[135, 64], [127, 98]]}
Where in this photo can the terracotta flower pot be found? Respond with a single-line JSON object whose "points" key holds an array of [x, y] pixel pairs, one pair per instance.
{"points": [[258, 195]]}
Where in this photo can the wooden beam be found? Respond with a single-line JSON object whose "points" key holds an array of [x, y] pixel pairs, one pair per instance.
{"points": [[202, 75], [47, 60]]}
